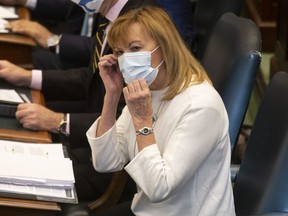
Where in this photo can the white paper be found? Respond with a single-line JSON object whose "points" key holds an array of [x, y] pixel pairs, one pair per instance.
{"points": [[7, 12], [43, 150], [2, 26], [37, 190], [10, 96], [36, 171], [28, 163]]}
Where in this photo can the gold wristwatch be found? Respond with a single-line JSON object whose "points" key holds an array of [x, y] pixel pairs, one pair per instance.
{"points": [[63, 125]]}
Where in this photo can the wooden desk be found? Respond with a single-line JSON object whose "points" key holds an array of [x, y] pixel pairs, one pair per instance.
{"points": [[15, 47], [21, 207], [11, 129], [24, 207]]}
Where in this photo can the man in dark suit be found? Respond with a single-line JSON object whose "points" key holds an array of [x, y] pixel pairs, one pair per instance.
{"points": [[66, 85], [65, 58], [45, 27], [66, 16]]}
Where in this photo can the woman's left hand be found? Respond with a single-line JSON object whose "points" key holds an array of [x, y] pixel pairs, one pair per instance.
{"points": [[138, 99]]}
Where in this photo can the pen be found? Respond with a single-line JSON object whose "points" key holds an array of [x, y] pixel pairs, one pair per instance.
{"points": [[24, 97]]}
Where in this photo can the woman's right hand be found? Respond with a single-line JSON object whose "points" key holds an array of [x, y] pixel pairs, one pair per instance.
{"points": [[110, 74], [114, 83]]}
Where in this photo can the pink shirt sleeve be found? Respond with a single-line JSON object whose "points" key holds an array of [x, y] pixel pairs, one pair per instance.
{"points": [[36, 81]]}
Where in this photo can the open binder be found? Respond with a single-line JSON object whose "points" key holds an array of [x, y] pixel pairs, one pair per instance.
{"points": [[36, 171], [10, 97], [9, 100]]}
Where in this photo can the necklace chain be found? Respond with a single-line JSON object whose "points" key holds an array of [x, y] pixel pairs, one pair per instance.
{"points": [[155, 115]]}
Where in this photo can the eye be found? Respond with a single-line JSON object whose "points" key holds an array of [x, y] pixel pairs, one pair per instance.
{"points": [[118, 52], [135, 48]]}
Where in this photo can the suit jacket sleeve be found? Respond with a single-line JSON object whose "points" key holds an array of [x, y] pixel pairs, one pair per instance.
{"points": [[72, 84], [79, 124], [66, 84], [51, 9], [81, 48]]}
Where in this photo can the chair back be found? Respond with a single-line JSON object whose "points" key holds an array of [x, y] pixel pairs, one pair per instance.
{"points": [[231, 59], [206, 15], [261, 184]]}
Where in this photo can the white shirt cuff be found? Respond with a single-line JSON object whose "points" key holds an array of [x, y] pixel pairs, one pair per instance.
{"points": [[31, 4], [68, 123], [36, 81]]}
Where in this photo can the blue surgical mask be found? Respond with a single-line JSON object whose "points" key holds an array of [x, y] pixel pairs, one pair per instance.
{"points": [[137, 65], [90, 6]]}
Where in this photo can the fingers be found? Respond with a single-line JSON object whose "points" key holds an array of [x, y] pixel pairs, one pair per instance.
{"points": [[137, 86], [23, 110], [137, 90], [24, 26], [107, 60], [30, 115]]}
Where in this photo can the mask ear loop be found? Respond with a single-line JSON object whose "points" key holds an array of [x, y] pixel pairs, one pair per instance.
{"points": [[159, 64], [155, 49], [161, 61]]}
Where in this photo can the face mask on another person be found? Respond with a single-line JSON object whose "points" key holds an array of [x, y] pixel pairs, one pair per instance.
{"points": [[90, 6], [137, 65]]}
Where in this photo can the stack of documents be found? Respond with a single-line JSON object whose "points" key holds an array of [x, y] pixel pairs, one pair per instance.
{"points": [[2, 26], [36, 171], [6, 12]]}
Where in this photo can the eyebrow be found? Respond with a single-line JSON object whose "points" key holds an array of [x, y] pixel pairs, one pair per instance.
{"points": [[136, 41]]}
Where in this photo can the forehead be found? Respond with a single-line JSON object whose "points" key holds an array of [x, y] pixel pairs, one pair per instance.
{"points": [[135, 32]]}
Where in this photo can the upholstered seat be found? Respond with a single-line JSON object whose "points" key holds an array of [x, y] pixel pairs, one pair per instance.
{"points": [[261, 185], [206, 15], [231, 59]]}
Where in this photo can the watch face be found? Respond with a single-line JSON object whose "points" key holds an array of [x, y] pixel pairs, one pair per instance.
{"points": [[145, 131], [53, 40], [63, 128]]}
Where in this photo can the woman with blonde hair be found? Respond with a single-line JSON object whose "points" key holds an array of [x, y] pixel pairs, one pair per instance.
{"points": [[172, 137]]}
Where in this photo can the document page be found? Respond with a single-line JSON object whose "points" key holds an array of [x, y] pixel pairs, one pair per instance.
{"points": [[7, 12], [36, 164], [10, 96], [2, 26], [36, 169], [41, 193], [13, 148]]}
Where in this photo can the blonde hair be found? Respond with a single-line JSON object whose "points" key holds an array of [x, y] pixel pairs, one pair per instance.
{"points": [[182, 68]]}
